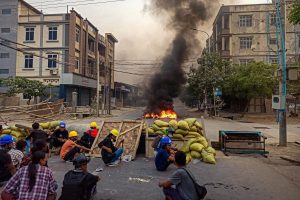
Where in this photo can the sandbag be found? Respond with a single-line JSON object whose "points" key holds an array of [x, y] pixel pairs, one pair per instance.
{"points": [[190, 136], [204, 143], [6, 131], [188, 158], [211, 150], [178, 136], [150, 131], [173, 123], [159, 132], [190, 121], [196, 147], [45, 125], [13, 128], [17, 134], [195, 154], [183, 125], [194, 129], [156, 128], [198, 125], [54, 124], [181, 132], [208, 157], [194, 133], [161, 123], [186, 146]]}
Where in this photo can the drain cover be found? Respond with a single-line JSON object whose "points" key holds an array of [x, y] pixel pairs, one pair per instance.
{"points": [[261, 127]]}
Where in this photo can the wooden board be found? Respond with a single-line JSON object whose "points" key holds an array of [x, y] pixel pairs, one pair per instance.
{"points": [[130, 131]]}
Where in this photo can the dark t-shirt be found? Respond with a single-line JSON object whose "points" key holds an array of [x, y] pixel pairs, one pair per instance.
{"points": [[61, 134], [107, 157], [37, 135], [161, 160], [5, 161]]}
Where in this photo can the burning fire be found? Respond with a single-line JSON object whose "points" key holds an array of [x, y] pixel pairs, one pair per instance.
{"points": [[163, 114]]}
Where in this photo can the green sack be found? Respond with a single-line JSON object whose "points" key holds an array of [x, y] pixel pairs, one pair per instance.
{"points": [[161, 123], [195, 154], [208, 157], [45, 125], [194, 129], [190, 121], [196, 147], [188, 158], [183, 125], [186, 145], [211, 150], [181, 132], [173, 123], [178, 136], [194, 134], [6, 131], [198, 125]]}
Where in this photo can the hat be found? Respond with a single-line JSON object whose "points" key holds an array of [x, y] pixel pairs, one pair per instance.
{"points": [[114, 132], [73, 134], [6, 139], [166, 141], [81, 160], [62, 125]]}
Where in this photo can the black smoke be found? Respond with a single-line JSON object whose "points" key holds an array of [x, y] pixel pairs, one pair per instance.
{"points": [[183, 15]]}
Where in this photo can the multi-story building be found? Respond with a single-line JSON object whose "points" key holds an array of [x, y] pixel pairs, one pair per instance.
{"points": [[243, 33], [63, 50]]}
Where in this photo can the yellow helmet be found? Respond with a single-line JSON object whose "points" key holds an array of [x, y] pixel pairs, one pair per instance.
{"points": [[93, 125], [114, 132], [73, 134]]}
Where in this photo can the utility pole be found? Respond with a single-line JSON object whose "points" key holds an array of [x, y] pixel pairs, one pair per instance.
{"points": [[280, 27], [98, 79], [109, 88], [104, 90]]}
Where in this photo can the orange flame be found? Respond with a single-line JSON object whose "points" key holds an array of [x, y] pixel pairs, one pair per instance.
{"points": [[163, 114]]}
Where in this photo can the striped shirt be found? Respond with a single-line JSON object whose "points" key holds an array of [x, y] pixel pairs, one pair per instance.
{"points": [[16, 157]]}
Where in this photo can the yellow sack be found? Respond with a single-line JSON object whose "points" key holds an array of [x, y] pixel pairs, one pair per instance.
{"points": [[156, 128], [54, 124], [189, 136], [150, 131], [198, 125], [195, 154], [196, 147], [188, 158], [161, 123], [159, 132], [17, 134], [13, 128], [6, 131], [181, 132], [195, 134], [183, 125], [208, 157], [45, 125], [178, 136], [190, 121], [211, 150], [186, 146], [194, 129], [173, 123]]}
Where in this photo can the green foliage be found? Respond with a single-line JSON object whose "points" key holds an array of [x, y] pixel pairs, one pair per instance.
{"points": [[32, 88], [255, 79], [294, 16]]}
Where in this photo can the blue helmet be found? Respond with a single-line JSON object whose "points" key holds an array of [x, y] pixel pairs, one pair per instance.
{"points": [[62, 125], [166, 141], [6, 139]]}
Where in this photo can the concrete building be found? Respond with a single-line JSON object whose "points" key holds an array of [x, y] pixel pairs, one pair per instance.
{"points": [[63, 50], [242, 33]]}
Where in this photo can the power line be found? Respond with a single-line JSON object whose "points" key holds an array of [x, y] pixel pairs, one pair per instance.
{"points": [[51, 3]]}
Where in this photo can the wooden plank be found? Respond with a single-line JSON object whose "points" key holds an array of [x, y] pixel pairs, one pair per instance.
{"points": [[138, 139], [146, 143]]}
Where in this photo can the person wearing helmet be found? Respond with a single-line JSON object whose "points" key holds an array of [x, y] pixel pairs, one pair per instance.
{"points": [[110, 153], [78, 183], [7, 144], [164, 155], [156, 144], [89, 136], [59, 137], [70, 148]]}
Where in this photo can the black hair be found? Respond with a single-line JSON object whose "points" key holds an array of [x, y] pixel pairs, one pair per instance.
{"points": [[40, 145], [1, 127], [180, 158], [21, 144], [35, 125], [32, 167]]}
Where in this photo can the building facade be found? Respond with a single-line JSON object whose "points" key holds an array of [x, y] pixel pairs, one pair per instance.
{"points": [[63, 50], [243, 33]]}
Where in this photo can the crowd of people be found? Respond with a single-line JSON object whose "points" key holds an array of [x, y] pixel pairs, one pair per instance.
{"points": [[27, 176]]}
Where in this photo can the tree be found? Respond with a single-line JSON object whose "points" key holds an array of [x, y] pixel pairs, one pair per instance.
{"points": [[256, 79], [30, 88], [294, 16], [209, 74]]}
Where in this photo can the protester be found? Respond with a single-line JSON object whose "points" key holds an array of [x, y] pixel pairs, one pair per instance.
{"points": [[1, 129], [70, 148], [89, 136], [7, 143], [7, 169], [110, 153], [37, 134], [164, 155], [156, 144], [181, 179], [79, 184], [21, 145], [59, 137], [34, 181]]}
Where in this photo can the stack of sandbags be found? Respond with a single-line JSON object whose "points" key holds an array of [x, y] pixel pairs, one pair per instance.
{"points": [[49, 125], [17, 133], [198, 148]]}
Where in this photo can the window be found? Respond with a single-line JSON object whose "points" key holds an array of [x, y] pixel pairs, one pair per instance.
{"points": [[6, 11], [52, 33], [77, 63], [29, 34], [245, 42], [28, 61], [77, 37], [4, 71], [4, 55], [245, 61], [5, 30], [273, 60], [52, 60], [273, 41], [273, 19], [245, 21]]}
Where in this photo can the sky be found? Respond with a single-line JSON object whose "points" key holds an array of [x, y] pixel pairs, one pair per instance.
{"points": [[141, 34]]}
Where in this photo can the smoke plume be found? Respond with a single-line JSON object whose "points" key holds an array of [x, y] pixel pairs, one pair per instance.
{"points": [[183, 16]]}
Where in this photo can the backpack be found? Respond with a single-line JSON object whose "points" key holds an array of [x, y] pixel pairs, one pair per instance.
{"points": [[73, 186], [156, 142]]}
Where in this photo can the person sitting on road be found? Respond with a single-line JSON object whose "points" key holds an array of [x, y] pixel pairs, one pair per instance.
{"points": [[79, 184], [37, 134], [59, 137], [89, 136], [164, 155], [7, 143], [70, 148], [156, 144], [110, 153], [7, 169], [34, 181], [181, 179]]}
